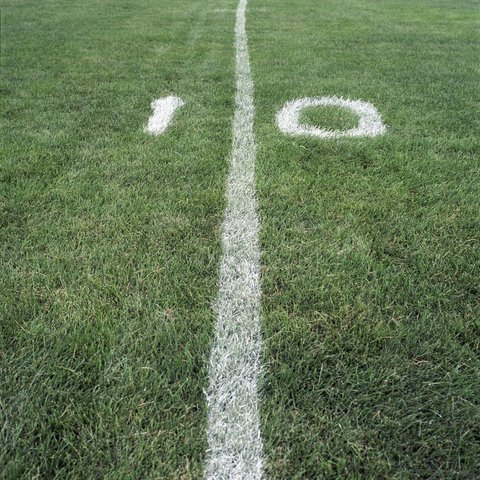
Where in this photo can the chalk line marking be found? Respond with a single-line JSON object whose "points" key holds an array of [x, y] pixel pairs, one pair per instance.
{"points": [[233, 10], [163, 110], [234, 369], [369, 125]]}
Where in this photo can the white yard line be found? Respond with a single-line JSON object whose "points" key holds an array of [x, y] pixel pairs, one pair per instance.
{"points": [[233, 10], [234, 440]]}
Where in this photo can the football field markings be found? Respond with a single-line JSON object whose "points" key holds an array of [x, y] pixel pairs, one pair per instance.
{"points": [[234, 368], [369, 124], [163, 110]]}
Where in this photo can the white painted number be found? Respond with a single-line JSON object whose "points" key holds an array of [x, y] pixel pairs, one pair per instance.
{"points": [[288, 118], [369, 125], [163, 110]]}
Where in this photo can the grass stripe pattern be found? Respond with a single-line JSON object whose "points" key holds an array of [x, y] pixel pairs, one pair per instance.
{"points": [[234, 441]]}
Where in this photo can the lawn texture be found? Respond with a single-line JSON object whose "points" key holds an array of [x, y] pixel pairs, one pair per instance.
{"points": [[110, 237], [371, 263]]}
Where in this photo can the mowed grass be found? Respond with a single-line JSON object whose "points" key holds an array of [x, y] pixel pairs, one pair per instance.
{"points": [[110, 238], [371, 263]]}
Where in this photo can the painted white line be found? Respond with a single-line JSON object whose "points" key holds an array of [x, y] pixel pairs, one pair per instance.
{"points": [[233, 10], [369, 125], [234, 441], [163, 110]]}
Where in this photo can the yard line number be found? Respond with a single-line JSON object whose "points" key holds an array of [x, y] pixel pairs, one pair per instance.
{"points": [[288, 118]]}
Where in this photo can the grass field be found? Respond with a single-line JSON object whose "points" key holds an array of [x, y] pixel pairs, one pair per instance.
{"points": [[110, 237]]}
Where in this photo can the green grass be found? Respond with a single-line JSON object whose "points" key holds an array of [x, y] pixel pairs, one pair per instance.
{"points": [[110, 239], [371, 266], [333, 118]]}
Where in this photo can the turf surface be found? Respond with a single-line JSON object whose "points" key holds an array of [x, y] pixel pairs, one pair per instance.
{"points": [[371, 246], [110, 239]]}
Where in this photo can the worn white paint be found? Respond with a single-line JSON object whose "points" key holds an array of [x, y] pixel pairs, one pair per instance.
{"points": [[369, 125], [163, 110], [233, 10], [234, 370]]}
